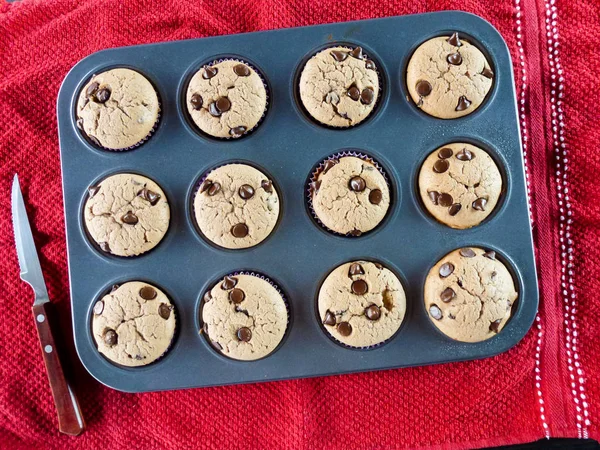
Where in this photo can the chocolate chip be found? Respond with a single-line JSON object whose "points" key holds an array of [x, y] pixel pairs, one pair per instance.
{"points": [[445, 200], [241, 70], [491, 254], [344, 328], [441, 165], [240, 230], [379, 266], [104, 247], [237, 132], [370, 64], [164, 310], [209, 72], [445, 153], [372, 312], [92, 88], [360, 287], [129, 218], [329, 164], [357, 53], [267, 186], [487, 72], [111, 338], [463, 103], [246, 191], [99, 307], [454, 40], [454, 58], [149, 196], [355, 233], [465, 155], [357, 184], [454, 209], [332, 98], [207, 297], [434, 196], [329, 318], [244, 334], [212, 109], [447, 295], [148, 293], [114, 288], [353, 93], [102, 95], [214, 188], [495, 325], [205, 185], [237, 296], [435, 312], [467, 252], [459, 282], [228, 283], [366, 96], [79, 124], [338, 55], [93, 190], [423, 88], [314, 186], [355, 269], [196, 102], [479, 204], [446, 270], [375, 196]]}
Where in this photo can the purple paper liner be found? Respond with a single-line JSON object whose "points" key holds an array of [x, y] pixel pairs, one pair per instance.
{"points": [[267, 98], [315, 174]]}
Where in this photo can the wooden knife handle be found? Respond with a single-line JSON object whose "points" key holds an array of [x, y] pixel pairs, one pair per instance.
{"points": [[70, 419]]}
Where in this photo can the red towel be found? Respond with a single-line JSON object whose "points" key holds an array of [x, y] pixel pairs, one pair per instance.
{"points": [[548, 385]]}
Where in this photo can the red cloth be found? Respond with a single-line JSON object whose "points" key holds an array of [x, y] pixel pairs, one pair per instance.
{"points": [[548, 385]]}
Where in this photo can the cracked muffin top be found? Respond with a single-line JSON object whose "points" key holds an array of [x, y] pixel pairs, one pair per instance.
{"points": [[361, 303], [460, 185], [350, 196], [118, 109], [226, 99], [126, 214], [244, 317], [469, 294], [134, 324], [448, 77], [339, 86]]}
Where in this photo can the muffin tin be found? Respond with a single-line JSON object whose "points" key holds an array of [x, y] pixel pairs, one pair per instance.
{"points": [[299, 254]]}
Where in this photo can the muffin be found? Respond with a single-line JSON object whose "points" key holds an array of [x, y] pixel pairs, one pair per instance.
{"points": [[448, 77], [349, 195], [339, 86], [361, 304], [460, 185], [236, 206], [226, 99], [118, 109], [244, 317], [126, 214], [469, 295], [134, 324]]}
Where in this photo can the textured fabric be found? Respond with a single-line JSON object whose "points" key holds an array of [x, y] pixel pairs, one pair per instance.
{"points": [[548, 385]]}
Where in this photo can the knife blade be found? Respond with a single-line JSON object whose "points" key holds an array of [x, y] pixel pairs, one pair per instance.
{"points": [[70, 419]]}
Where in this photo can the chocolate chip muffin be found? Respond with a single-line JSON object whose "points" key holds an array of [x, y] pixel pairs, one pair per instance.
{"points": [[460, 185], [469, 294], [236, 206], [448, 77], [126, 214], [118, 109], [244, 317], [134, 324], [339, 86], [349, 195], [226, 99], [361, 304]]}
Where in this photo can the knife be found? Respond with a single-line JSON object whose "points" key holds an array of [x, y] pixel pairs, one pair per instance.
{"points": [[70, 419]]}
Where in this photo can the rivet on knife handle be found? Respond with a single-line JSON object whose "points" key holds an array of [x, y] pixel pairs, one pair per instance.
{"points": [[70, 419]]}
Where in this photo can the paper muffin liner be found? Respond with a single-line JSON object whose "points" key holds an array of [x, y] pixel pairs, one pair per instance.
{"points": [[106, 292], [377, 100], [319, 169], [267, 99], [97, 143], [253, 274]]}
